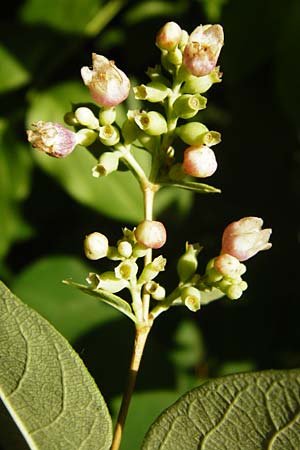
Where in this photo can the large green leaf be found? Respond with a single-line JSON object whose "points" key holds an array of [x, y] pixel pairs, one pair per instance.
{"points": [[71, 312], [55, 13], [245, 411], [44, 384]]}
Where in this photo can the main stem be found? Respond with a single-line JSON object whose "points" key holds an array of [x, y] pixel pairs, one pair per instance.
{"points": [[139, 344], [142, 329]]}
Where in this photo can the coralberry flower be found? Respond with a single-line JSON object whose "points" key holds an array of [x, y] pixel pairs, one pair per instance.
{"points": [[52, 138], [108, 85], [199, 161], [168, 36], [151, 234], [244, 238], [202, 50], [95, 246]]}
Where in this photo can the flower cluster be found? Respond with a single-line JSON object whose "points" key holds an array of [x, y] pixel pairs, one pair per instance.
{"points": [[168, 126]]}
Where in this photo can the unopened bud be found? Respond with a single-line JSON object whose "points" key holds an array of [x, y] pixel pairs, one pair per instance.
{"points": [[234, 292], [86, 137], [107, 116], [211, 138], [109, 135], [199, 85], [95, 246], [187, 106], [227, 265], [187, 263], [86, 117], [151, 234], [111, 283], [153, 91], [191, 297], [152, 122], [156, 291], [168, 36], [152, 269], [199, 161], [192, 133], [125, 249], [108, 163], [126, 269]]}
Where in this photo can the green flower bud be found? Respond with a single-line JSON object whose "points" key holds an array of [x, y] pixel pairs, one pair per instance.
{"points": [[153, 92], [187, 263], [199, 85], [111, 283], [86, 117], [234, 292], [192, 133], [152, 269], [95, 246], [86, 137], [126, 269], [211, 138], [191, 297], [107, 116], [108, 163], [152, 122], [156, 291], [187, 106], [125, 249], [109, 135]]}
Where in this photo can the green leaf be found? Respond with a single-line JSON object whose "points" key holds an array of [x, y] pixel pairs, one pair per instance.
{"points": [[194, 186], [244, 411], [106, 297], [55, 13], [71, 312], [44, 384], [13, 74]]}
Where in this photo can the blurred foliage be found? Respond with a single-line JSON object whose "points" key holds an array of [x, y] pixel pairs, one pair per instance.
{"points": [[47, 206]]}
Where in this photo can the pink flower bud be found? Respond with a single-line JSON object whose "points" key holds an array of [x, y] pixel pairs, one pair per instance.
{"points": [[52, 138], [108, 85], [244, 238], [151, 234], [202, 49], [199, 161], [168, 36]]}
